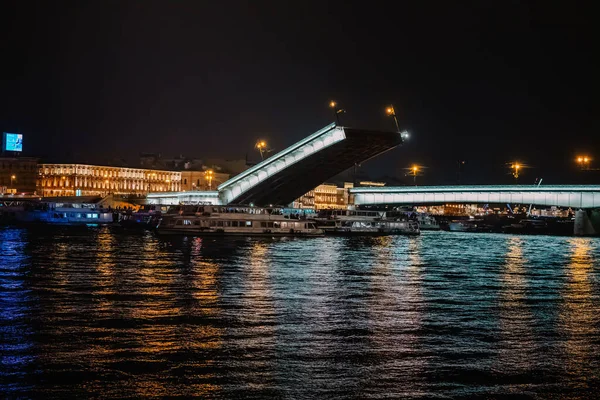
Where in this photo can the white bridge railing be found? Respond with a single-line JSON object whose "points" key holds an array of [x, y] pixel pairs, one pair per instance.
{"points": [[574, 196]]}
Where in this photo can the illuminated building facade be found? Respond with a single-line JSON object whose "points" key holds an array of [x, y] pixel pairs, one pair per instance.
{"points": [[95, 180], [202, 180], [18, 175]]}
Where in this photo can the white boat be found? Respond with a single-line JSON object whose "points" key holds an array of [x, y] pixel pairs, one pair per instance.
{"points": [[64, 213], [365, 223], [208, 220]]}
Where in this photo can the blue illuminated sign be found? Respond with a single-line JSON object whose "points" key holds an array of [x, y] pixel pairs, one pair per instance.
{"points": [[13, 142]]}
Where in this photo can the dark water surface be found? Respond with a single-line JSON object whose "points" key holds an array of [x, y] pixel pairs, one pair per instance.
{"points": [[98, 313]]}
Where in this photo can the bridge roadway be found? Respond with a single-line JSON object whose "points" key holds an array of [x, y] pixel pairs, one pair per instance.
{"points": [[574, 196]]}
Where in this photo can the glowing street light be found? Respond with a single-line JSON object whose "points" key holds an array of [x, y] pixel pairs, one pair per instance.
{"points": [[12, 179], [336, 111], [414, 171], [392, 113], [208, 175], [516, 169], [261, 146], [584, 162]]}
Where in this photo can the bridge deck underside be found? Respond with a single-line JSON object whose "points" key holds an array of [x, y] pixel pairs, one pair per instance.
{"points": [[303, 176]]}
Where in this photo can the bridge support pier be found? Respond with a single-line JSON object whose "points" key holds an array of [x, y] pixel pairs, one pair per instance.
{"points": [[586, 222]]}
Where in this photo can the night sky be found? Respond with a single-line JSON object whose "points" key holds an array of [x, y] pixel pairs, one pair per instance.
{"points": [[486, 82]]}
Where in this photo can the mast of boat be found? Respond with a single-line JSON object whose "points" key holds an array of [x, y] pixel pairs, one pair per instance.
{"points": [[529, 211]]}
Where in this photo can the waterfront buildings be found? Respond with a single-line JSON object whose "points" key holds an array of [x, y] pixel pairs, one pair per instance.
{"points": [[202, 180], [18, 175], [95, 180], [325, 197]]}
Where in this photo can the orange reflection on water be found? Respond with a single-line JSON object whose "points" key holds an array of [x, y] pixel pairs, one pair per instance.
{"points": [[259, 315], [579, 315], [517, 339]]}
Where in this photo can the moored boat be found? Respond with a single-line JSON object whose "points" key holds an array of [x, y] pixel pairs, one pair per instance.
{"points": [[427, 222], [64, 213], [365, 223], [209, 220]]}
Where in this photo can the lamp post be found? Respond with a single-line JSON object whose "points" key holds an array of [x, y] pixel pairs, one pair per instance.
{"points": [[392, 113], [414, 171], [261, 146], [208, 175], [516, 168], [336, 111], [584, 162], [12, 179]]}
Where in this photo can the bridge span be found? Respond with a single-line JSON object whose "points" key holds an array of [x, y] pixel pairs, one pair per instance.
{"points": [[287, 175], [574, 196]]}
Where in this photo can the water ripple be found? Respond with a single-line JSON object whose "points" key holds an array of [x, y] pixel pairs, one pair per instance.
{"points": [[94, 312]]}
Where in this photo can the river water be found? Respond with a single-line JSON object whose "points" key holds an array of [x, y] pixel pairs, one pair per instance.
{"points": [[99, 313]]}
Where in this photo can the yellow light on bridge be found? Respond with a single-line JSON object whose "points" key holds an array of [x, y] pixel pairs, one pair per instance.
{"points": [[332, 104]]}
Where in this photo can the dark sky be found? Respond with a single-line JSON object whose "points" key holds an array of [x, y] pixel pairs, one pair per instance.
{"points": [[488, 82]]}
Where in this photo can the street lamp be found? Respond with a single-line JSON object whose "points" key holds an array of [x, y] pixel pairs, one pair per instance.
{"points": [[336, 111], [12, 179], [414, 171], [584, 162], [516, 168], [261, 145], [208, 175], [392, 113]]}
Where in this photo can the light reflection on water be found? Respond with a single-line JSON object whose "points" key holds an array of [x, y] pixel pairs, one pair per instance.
{"points": [[96, 312]]}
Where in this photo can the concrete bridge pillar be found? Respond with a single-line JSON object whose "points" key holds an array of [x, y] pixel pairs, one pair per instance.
{"points": [[584, 222]]}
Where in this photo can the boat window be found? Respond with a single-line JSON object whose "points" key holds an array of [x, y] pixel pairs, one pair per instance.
{"points": [[227, 223], [197, 222], [263, 224], [305, 226], [234, 223], [213, 223], [219, 223], [248, 223], [284, 224], [187, 222], [276, 224], [179, 222], [270, 224]]}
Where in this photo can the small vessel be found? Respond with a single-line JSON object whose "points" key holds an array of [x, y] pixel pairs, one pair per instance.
{"points": [[532, 226], [146, 217], [364, 223], [467, 225], [209, 220], [427, 222], [64, 213]]}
